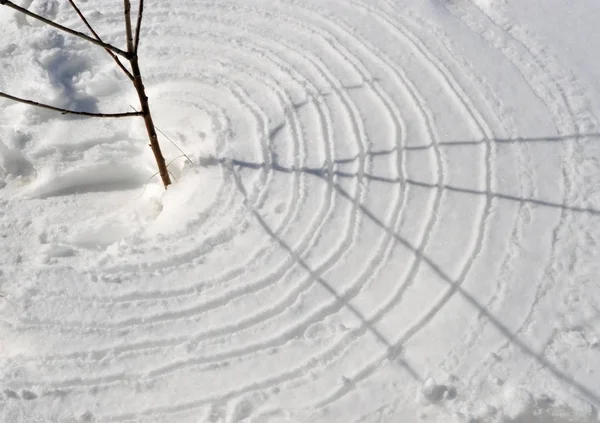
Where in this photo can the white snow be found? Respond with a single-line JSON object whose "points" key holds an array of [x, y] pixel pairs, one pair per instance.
{"points": [[391, 214]]}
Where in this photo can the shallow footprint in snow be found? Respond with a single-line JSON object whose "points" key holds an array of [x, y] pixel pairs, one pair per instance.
{"points": [[242, 410], [12, 162], [9, 393], [433, 392], [28, 395], [52, 252], [46, 8]]}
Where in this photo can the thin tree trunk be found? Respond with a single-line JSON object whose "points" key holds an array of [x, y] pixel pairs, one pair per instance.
{"points": [[139, 86], [141, 91]]}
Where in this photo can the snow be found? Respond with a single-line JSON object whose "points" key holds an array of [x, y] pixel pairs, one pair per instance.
{"points": [[389, 212]]}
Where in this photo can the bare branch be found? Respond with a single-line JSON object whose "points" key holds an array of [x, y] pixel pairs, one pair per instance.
{"points": [[138, 26], [64, 28], [115, 58], [69, 112], [128, 31]]}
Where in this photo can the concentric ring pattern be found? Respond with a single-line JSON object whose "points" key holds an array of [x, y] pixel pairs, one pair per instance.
{"points": [[373, 206]]}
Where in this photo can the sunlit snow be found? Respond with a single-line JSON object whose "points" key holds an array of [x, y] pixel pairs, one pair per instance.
{"points": [[389, 212]]}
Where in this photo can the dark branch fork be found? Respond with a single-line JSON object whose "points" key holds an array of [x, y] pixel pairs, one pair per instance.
{"points": [[87, 24]]}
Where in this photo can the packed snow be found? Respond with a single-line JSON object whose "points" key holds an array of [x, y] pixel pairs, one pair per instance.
{"points": [[388, 211]]}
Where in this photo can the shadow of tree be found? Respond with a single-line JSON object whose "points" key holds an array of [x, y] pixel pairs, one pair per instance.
{"points": [[394, 347], [392, 350]]}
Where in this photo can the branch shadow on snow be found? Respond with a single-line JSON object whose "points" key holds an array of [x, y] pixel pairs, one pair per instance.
{"points": [[393, 351], [591, 137], [322, 173], [394, 348]]}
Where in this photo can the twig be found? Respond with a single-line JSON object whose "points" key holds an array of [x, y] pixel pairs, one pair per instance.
{"points": [[65, 29], [128, 32], [150, 178], [176, 146], [115, 58], [145, 186], [138, 26], [172, 160], [69, 112]]}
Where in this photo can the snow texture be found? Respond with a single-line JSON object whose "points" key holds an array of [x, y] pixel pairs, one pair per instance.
{"points": [[391, 214]]}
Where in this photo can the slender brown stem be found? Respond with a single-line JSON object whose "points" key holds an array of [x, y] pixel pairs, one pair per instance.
{"points": [[65, 29], [128, 31], [69, 112], [141, 90], [114, 57], [139, 86], [171, 141], [138, 26]]}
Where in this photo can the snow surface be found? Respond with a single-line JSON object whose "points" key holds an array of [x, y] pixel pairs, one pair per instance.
{"points": [[392, 214]]}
